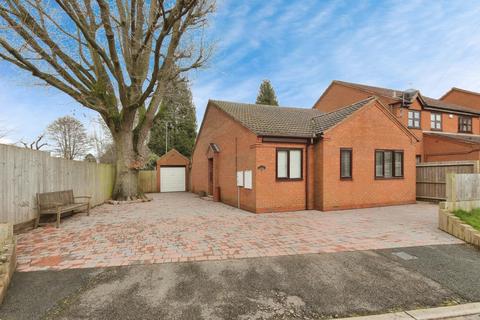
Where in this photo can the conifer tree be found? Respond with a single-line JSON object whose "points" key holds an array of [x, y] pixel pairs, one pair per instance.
{"points": [[266, 94]]}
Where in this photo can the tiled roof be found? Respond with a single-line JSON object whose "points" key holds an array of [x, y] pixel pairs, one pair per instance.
{"points": [[463, 137], [328, 120], [397, 95], [439, 104], [389, 93], [266, 120]]}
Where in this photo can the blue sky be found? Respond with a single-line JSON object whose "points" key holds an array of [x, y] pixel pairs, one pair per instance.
{"points": [[301, 46]]}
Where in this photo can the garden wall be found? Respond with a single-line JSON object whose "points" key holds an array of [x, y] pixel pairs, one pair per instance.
{"points": [[24, 172]]}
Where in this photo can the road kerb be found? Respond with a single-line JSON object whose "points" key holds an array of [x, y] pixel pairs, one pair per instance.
{"points": [[426, 314], [446, 312]]}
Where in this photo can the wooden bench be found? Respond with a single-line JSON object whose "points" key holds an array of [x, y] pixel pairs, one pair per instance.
{"points": [[59, 202]]}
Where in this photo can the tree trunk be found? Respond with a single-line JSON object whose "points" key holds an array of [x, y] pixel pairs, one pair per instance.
{"points": [[126, 180]]}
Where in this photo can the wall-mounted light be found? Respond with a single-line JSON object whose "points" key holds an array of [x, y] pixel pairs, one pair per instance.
{"points": [[450, 116]]}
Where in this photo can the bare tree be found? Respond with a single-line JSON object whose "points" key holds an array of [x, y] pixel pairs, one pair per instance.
{"points": [[4, 131], [102, 141], [69, 137], [36, 144], [113, 56]]}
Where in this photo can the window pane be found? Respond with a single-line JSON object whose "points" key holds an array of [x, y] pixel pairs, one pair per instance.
{"points": [[379, 164], [345, 163], [414, 119], [387, 163], [295, 164], [398, 164], [282, 170], [465, 124]]}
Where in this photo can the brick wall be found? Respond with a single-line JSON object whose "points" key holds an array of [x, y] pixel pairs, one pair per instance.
{"points": [[337, 96], [237, 152], [366, 130], [462, 98], [278, 195], [445, 149]]}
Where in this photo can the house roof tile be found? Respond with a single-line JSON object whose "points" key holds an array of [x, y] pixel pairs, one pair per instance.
{"points": [[397, 95], [328, 120], [462, 137], [276, 121], [264, 120]]}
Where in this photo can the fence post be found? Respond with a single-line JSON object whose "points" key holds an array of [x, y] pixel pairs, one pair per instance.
{"points": [[451, 187], [476, 166]]}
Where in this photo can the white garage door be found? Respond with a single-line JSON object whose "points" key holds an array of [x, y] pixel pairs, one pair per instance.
{"points": [[172, 179]]}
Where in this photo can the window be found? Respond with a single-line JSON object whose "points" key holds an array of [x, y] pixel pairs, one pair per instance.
{"points": [[388, 164], [414, 119], [436, 121], [465, 124], [289, 164], [345, 163]]}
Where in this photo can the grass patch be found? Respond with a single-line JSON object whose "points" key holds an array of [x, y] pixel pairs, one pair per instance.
{"points": [[471, 217]]}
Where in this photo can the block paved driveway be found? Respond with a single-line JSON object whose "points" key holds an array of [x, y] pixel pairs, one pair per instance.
{"points": [[178, 227]]}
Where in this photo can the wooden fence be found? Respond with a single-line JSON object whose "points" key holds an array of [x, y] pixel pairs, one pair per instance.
{"points": [[463, 187], [25, 172], [431, 177], [147, 181]]}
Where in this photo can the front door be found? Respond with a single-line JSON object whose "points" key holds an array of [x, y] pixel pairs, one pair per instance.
{"points": [[210, 176]]}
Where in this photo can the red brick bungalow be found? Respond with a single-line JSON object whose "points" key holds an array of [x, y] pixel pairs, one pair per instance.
{"points": [[295, 159], [448, 128]]}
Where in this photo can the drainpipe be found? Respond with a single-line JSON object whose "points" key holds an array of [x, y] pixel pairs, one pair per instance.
{"points": [[306, 176], [236, 170]]}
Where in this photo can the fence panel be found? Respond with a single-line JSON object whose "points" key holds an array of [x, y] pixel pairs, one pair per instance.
{"points": [[147, 181], [24, 172], [431, 177], [463, 187]]}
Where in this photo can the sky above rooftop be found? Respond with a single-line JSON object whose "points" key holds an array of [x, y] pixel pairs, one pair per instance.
{"points": [[301, 46]]}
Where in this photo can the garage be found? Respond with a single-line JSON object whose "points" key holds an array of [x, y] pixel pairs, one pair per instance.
{"points": [[172, 179], [173, 172]]}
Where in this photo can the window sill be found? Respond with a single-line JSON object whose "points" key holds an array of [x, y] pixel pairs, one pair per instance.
{"points": [[391, 178], [417, 128], [438, 130], [288, 179], [468, 132], [346, 179]]}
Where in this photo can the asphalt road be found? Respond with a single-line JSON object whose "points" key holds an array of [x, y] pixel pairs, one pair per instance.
{"points": [[290, 287]]}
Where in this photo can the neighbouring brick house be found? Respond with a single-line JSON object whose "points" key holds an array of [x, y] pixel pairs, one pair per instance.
{"points": [[286, 159], [448, 129], [462, 97]]}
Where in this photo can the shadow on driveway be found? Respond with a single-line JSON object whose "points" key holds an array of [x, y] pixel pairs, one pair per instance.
{"points": [[289, 287]]}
